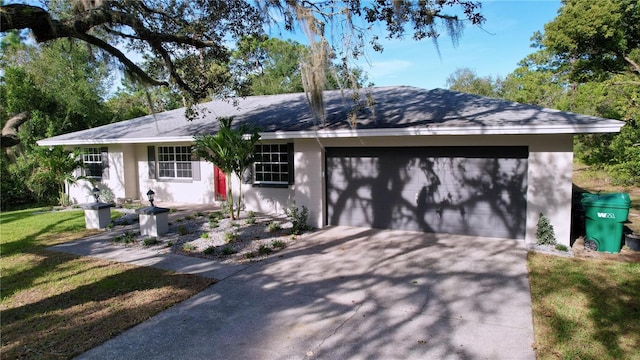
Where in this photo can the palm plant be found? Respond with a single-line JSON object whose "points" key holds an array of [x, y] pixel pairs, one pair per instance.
{"points": [[232, 151], [55, 169]]}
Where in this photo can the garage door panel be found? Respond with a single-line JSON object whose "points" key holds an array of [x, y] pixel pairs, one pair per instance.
{"points": [[452, 190]]}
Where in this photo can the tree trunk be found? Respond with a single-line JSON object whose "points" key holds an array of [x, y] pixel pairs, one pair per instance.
{"points": [[10, 130], [230, 195]]}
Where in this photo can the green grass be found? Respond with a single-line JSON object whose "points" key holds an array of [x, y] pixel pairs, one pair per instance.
{"points": [[585, 309], [56, 305]]}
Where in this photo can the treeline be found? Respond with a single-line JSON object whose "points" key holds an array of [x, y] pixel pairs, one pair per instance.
{"points": [[586, 61]]}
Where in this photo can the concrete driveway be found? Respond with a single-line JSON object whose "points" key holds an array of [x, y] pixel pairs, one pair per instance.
{"points": [[353, 293]]}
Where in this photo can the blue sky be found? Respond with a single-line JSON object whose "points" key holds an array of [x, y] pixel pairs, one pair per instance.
{"points": [[496, 50]]}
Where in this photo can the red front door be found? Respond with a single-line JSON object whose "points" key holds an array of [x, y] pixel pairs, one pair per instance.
{"points": [[220, 184]]}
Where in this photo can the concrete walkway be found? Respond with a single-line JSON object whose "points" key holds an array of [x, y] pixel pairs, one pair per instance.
{"points": [[341, 293]]}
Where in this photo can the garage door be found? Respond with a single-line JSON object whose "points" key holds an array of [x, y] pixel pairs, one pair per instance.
{"points": [[478, 191]]}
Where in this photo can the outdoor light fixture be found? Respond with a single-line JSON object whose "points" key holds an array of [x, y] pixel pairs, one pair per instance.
{"points": [[96, 193], [150, 194]]}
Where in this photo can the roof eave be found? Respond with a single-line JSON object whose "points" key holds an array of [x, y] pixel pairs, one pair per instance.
{"points": [[352, 133]]}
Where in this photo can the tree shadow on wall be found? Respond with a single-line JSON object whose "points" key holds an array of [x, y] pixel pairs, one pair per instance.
{"points": [[454, 190]]}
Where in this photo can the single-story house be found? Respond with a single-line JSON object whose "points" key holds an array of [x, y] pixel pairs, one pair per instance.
{"points": [[414, 159]]}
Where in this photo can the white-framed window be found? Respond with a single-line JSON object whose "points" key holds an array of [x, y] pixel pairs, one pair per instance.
{"points": [[174, 162], [273, 165], [92, 159]]}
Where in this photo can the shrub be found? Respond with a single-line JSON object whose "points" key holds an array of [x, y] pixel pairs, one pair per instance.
{"points": [[188, 247], [204, 235], [150, 241], [250, 221], [250, 255], [225, 208], [182, 230], [298, 219], [561, 247], [264, 250], [544, 233], [230, 236], [214, 223], [273, 226], [251, 214], [169, 243], [278, 244], [211, 250], [189, 217], [228, 250], [126, 238], [199, 214]]}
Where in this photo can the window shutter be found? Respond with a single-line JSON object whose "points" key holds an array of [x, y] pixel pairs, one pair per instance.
{"points": [[105, 162], [195, 170], [151, 161], [292, 178]]}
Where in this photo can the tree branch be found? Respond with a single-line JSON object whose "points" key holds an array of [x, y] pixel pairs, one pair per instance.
{"points": [[633, 64], [122, 57], [10, 130]]}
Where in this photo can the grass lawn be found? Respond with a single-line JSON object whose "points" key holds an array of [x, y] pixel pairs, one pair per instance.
{"points": [[585, 309], [588, 308], [55, 305]]}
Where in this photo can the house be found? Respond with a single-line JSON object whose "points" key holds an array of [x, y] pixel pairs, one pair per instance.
{"points": [[414, 159]]}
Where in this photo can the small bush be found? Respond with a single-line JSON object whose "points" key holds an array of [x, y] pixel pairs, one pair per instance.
{"points": [[150, 241], [169, 243], [225, 208], [250, 255], [178, 220], [298, 219], [126, 238], [273, 226], [278, 244], [264, 250], [199, 214], [234, 224], [189, 217], [173, 211], [182, 230], [250, 221], [561, 247], [230, 236], [211, 250], [214, 223], [251, 214], [188, 247], [204, 235], [216, 215], [544, 233], [228, 250]]}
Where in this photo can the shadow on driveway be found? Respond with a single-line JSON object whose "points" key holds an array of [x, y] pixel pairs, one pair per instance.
{"points": [[351, 293]]}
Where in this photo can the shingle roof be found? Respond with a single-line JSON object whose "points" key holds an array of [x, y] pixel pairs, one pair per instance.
{"points": [[398, 110]]}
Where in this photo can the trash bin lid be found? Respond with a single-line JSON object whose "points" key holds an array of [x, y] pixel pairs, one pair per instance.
{"points": [[617, 200]]}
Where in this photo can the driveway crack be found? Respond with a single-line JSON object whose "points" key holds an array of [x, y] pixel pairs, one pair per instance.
{"points": [[335, 331]]}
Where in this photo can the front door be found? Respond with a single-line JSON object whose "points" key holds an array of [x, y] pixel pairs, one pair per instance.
{"points": [[220, 184]]}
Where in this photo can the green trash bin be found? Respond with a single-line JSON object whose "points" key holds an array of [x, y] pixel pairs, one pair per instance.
{"points": [[605, 215]]}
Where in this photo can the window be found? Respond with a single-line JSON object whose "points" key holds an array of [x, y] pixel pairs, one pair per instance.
{"points": [[92, 158], [274, 164], [174, 162]]}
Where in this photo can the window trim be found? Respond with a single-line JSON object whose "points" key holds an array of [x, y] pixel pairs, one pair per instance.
{"points": [[288, 150], [174, 154], [99, 156]]}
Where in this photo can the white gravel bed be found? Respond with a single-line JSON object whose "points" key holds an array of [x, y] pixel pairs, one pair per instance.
{"points": [[249, 238]]}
